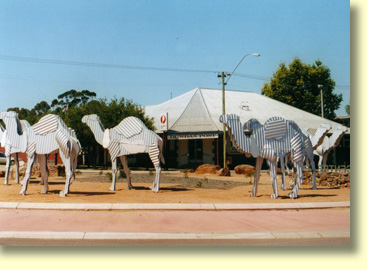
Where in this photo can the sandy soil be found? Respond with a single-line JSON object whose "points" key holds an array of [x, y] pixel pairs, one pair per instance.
{"points": [[176, 187]]}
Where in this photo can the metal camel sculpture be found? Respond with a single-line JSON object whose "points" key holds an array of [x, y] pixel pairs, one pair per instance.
{"points": [[130, 136], [317, 136], [272, 141], [329, 144], [48, 135], [310, 142], [12, 147]]}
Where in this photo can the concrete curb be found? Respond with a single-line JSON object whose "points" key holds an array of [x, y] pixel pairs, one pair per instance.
{"points": [[170, 206], [168, 236]]}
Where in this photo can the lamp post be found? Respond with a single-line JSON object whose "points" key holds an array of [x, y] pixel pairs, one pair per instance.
{"points": [[322, 100], [224, 83]]}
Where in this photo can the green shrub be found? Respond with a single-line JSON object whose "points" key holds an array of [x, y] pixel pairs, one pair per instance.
{"points": [[109, 176]]}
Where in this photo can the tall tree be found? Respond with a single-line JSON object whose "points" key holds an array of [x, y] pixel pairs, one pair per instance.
{"points": [[71, 99], [347, 109], [300, 85], [42, 108]]}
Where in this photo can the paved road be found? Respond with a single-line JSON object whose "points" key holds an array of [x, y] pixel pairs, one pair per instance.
{"points": [[147, 227]]}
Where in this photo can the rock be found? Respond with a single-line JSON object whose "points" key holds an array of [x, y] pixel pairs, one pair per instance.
{"points": [[244, 169], [279, 171], [207, 168], [225, 172]]}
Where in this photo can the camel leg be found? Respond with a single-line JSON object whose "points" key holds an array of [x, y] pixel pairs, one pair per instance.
{"points": [[74, 165], [127, 171], [324, 160], [283, 186], [320, 162], [154, 156], [259, 161], [307, 163], [27, 175], [16, 161], [294, 171], [155, 186], [73, 169], [114, 173], [44, 169], [286, 163], [8, 161], [294, 193], [273, 176], [44, 173], [68, 171], [312, 162], [41, 163]]}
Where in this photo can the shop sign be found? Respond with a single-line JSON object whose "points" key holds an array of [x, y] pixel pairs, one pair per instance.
{"points": [[192, 136], [163, 122]]}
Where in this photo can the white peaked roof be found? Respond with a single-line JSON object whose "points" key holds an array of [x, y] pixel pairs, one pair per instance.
{"points": [[198, 111]]}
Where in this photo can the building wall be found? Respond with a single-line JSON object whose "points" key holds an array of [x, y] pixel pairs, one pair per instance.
{"points": [[51, 157]]}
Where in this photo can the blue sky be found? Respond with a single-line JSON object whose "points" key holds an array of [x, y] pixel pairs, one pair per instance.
{"points": [[190, 35]]}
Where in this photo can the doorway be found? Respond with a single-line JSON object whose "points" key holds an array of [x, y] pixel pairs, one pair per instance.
{"points": [[195, 152]]}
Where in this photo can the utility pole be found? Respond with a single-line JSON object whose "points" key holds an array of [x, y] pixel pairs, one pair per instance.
{"points": [[322, 100], [223, 75], [224, 83]]}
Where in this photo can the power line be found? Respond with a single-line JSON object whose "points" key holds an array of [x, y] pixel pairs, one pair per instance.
{"points": [[90, 64]]}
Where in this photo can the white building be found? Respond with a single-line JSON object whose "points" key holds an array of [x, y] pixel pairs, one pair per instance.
{"points": [[194, 134]]}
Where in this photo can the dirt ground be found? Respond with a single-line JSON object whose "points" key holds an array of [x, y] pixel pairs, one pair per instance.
{"points": [[176, 187]]}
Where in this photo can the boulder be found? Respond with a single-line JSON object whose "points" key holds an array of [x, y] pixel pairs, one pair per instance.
{"points": [[244, 169], [225, 172], [207, 168]]}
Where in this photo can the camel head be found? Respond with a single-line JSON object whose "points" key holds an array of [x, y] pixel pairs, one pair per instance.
{"points": [[252, 125], [5, 115], [12, 122], [14, 130], [325, 126], [342, 129], [228, 119], [92, 117]]}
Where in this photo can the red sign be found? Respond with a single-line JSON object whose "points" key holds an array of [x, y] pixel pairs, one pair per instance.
{"points": [[164, 122], [163, 119]]}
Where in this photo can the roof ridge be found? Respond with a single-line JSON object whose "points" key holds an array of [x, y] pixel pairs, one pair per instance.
{"points": [[206, 107], [187, 105]]}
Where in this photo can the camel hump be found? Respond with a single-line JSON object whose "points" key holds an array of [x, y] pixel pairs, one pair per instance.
{"points": [[275, 128], [129, 127], [46, 124]]}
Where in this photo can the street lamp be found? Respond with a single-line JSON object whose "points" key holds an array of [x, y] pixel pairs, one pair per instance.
{"points": [[223, 75]]}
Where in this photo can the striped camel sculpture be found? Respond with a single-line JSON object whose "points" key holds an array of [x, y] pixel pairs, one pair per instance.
{"points": [[310, 142], [130, 136], [329, 144], [48, 135], [316, 136], [12, 147], [271, 141]]}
